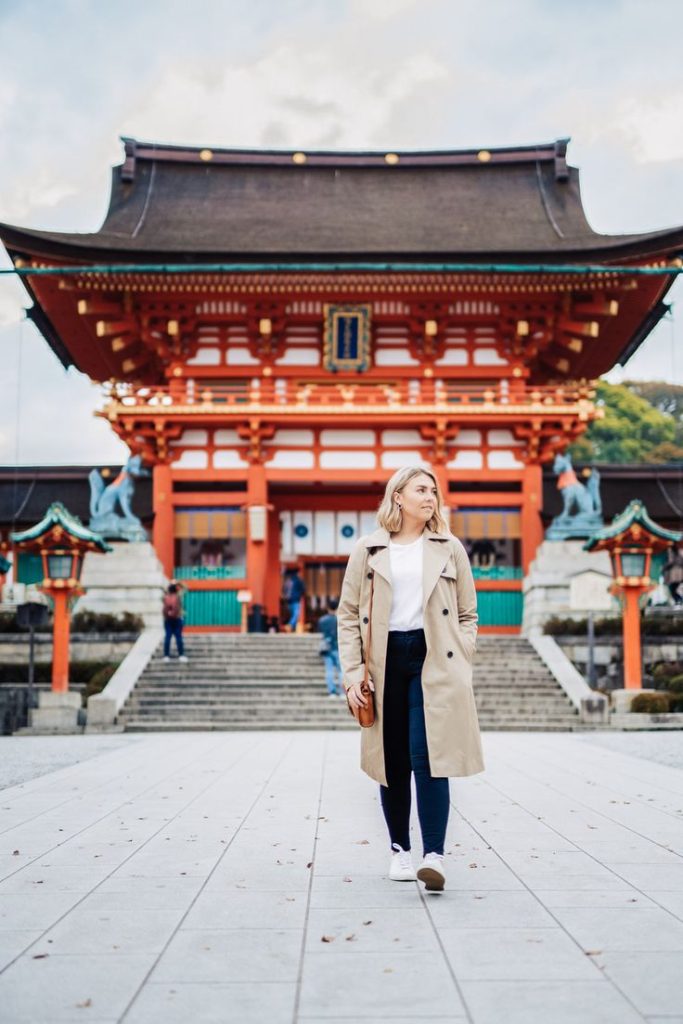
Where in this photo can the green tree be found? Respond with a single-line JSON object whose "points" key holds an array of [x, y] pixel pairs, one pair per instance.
{"points": [[632, 429]]}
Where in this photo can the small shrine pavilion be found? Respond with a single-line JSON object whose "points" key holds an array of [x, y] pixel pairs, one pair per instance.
{"points": [[276, 332]]}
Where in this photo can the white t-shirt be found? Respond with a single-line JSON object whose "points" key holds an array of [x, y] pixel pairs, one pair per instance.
{"points": [[406, 581]]}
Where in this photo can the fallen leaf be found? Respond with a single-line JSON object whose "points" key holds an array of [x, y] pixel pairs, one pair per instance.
{"points": [[310, 864], [593, 952], [347, 879], [351, 938], [367, 922], [327, 938], [40, 956], [362, 842], [86, 1002], [472, 865], [15, 853]]}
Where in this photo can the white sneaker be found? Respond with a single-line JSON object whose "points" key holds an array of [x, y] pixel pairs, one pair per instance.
{"points": [[332, 695], [401, 868], [167, 658], [431, 872], [182, 658]]}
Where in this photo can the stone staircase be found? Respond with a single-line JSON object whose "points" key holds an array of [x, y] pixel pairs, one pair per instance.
{"points": [[276, 681]]}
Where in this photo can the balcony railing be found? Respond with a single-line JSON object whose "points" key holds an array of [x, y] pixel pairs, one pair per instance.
{"points": [[280, 395]]}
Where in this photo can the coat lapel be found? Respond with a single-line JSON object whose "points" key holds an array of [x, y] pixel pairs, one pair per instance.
{"points": [[436, 555], [379, 558]]}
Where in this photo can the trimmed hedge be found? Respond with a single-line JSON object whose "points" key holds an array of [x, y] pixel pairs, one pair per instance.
{"points": [[79, 671], [84, 622], [650, 703], [652, 625]]}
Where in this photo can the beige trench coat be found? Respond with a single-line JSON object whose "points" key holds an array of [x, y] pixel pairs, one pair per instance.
{"points": [[450, 625]]}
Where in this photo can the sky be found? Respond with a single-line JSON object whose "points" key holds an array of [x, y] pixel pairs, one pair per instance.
{"points": [[75, 75]]}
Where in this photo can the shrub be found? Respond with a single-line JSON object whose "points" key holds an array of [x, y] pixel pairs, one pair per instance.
{"points": [[105, 622], [79, 672], [676, 703], [675, 685], [650, 703], [99, 680]]}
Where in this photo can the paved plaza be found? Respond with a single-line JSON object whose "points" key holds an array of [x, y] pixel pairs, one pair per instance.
{"points": [[220, 877]]}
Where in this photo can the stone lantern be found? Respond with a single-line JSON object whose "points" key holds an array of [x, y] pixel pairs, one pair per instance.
{"points": [[61, 540], [631, 539]]}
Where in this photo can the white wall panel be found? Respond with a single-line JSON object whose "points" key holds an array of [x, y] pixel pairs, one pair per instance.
{"points": [[468, 438], [194, 437], [488, 357], [394, 357], [401, 457], [347, 460], [205, 357], [368, 523], [294, 438], [347, 532], [235, 356], [292, 460], [466, 460], [302, 529], [453, 357], [286, 543], [400, 438], [228, 458], [299, 357], [347, 437], [503, 437], [227, 437], [324, 533], [192, 460], [503, 460]]}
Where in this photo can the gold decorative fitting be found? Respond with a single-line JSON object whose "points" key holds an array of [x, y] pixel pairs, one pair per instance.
{"points": [[206, 155], [431, 328], [522, 328], [265, 326], [173, 328], [484, 156], [392, 159], [517, 371], [267, 371], [428, 371], [177, 371], [299, 158]]}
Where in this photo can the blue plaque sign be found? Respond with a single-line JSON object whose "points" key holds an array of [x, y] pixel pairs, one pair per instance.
{"points": [[346, 338]]}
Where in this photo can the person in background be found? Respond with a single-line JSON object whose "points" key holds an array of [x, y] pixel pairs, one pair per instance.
{"points": [[329, 649], [673, 575], [173, 621], [294, 592]]}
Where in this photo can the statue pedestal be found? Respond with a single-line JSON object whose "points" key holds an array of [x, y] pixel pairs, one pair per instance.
{"points": [[565, 580], [56, 713], [129, 579]]}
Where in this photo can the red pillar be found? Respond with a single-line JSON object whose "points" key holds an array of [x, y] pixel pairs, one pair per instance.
{"points": [[633, 679], [163, 517], [273, 578], [257, 550], [60, 642], [532, 504]]}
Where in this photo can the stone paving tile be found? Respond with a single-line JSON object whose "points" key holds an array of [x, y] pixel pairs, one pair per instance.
{"points": [[65, 988], [236, 1003], [241, 954], [203, 870], [554, 1002], [389, 985], [651, 981]]}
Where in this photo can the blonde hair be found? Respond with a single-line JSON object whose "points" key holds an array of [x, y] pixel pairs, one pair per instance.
{"points": [[389, 514]]}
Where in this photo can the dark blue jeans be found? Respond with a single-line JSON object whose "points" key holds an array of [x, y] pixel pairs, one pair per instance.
{"points": [[173, 627], [405, 748]]}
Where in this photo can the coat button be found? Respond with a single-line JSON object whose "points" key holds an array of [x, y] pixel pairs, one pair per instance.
{"points": [[366, 620], [445, 611], [369, 575], [450, 654]]}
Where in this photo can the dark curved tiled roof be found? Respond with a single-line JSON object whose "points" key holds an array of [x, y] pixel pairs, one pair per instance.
{"points": [[189, 202]]}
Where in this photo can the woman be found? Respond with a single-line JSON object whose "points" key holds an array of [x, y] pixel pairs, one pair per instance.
{"points": [[424, 626]]}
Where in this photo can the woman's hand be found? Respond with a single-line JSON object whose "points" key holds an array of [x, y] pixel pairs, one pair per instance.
{"points": [[355, 697]]}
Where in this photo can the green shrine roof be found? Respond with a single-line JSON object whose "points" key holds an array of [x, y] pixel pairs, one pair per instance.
{"points": [[58, 515], [634, 513]]}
